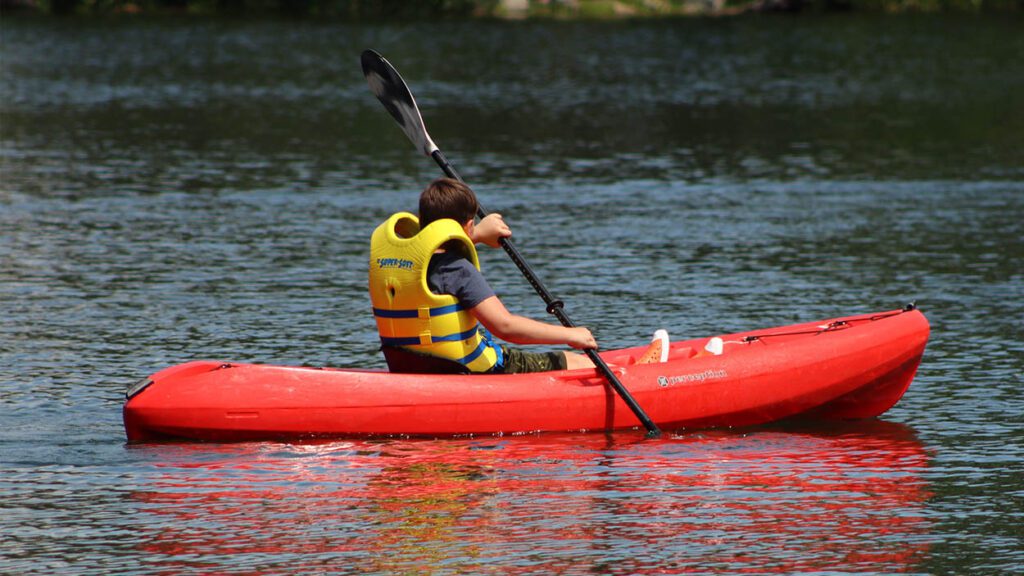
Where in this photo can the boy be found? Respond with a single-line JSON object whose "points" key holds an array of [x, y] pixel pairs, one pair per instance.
{"points": [[430, 298]]}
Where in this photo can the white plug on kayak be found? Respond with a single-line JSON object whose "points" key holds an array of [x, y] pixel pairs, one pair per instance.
{"points": [[661, 335], [714, 346]]}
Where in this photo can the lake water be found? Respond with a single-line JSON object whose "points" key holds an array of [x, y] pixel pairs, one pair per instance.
{"points": [[183, 189]]}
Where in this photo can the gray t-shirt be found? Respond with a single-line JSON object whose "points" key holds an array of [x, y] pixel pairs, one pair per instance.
{"points": [[451, 273]]}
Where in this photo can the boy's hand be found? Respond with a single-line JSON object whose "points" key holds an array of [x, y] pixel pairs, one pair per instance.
{"points": [[580, 338], [490, 229]]}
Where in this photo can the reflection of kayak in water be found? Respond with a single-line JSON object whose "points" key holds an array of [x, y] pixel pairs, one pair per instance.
{"points": [[765, 500], [846, 368]]}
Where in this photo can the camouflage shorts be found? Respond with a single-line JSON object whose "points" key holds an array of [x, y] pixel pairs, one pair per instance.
{"points": [[520, 361]]}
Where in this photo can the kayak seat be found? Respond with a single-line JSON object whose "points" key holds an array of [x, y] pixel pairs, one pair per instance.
{"points": [[405, 361]]}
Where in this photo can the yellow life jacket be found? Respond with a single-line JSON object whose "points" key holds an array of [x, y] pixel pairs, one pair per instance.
{"points": [[408, 314]]}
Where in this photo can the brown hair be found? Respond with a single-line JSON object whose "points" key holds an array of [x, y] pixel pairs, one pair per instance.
{"points": [[447, 198]]}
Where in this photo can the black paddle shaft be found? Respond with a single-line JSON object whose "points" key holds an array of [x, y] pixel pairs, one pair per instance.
{"points": [[555, 307]]}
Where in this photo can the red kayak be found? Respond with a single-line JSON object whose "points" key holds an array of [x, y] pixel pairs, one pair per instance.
{"points": [[843, 368]]}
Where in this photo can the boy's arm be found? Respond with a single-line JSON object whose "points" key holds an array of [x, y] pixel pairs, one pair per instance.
{"points": [[521, 330]]}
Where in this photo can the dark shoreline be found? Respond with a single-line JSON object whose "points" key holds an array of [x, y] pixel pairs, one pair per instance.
{"points": [[573, 10]]}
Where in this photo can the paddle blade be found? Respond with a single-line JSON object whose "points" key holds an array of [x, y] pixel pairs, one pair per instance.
{"points": [[394, 94]]}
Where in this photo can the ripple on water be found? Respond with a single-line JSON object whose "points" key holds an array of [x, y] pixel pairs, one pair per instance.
{"points": [[209, 192]]}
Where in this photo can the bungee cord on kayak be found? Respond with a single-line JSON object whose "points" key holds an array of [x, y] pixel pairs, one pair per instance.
{"points": [[831, 326]]}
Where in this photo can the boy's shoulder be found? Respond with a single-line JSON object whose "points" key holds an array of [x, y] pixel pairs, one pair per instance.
{"points": [[448, 256], [452, 267], [448, 260], [452, 273]]}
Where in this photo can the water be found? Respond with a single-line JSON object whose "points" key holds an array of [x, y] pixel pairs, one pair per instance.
{"points": [[174, 190]]}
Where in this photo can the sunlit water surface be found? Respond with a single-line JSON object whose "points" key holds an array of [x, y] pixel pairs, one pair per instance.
{"points": [[174, 190]]}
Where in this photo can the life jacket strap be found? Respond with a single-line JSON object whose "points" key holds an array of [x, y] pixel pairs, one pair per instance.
{"points": [[486, 342], [415, 313], [418, 340]]}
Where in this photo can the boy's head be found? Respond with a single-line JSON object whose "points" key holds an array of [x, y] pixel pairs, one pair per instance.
{"points": [[447, 198]]}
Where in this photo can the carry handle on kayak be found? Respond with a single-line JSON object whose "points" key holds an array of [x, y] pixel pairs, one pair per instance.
{"points": [[387, 85]]}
